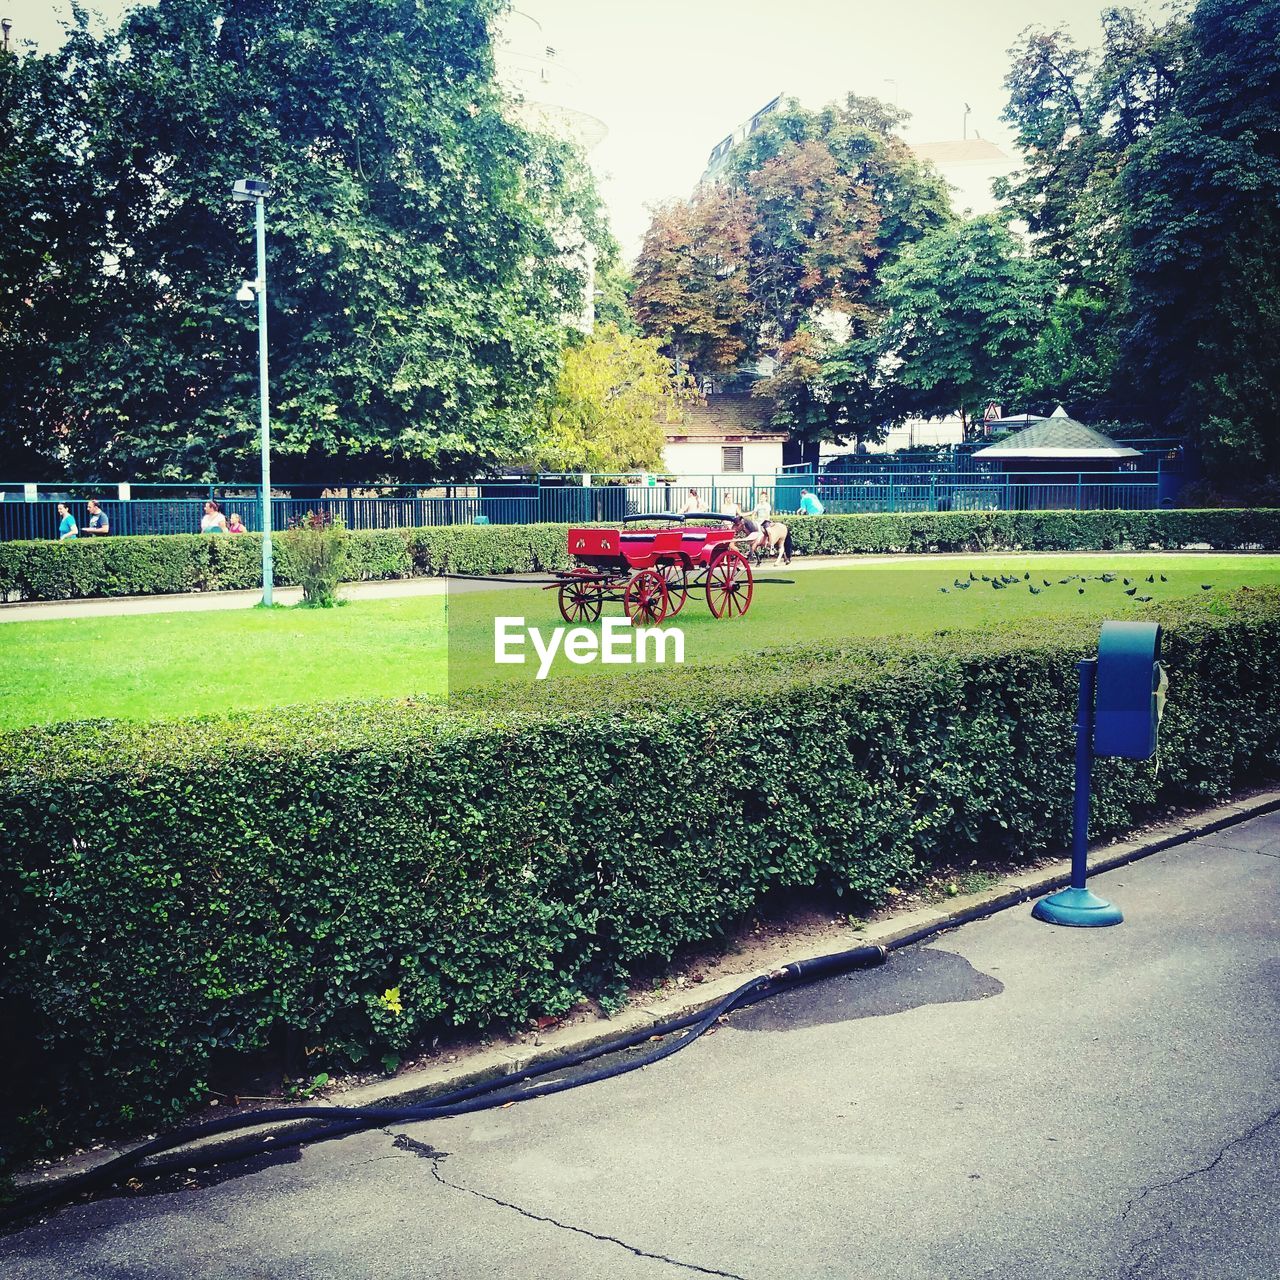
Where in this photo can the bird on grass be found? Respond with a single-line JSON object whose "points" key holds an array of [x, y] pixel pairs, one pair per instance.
{"points": [[1206, 586], [1108, 577], [1131, 591], [1046, 582], [973, 577], [1163, 578], [1128, 582], [955, 582], [1035, 591], [998, 585], [944, 591], [1151, 577], [963, 586], [1080, 590], [1026, 577], [1144, 599], [985, 578]]}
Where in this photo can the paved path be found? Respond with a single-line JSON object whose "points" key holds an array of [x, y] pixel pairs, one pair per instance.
{"points": [[1011, 1100], [397, 588]]}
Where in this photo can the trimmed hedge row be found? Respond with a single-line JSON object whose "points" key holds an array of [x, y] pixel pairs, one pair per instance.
{"points": [[191, 562], [167, 906]]}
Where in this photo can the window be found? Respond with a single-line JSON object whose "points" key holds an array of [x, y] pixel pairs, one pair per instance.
{"points": [[731, 458]]}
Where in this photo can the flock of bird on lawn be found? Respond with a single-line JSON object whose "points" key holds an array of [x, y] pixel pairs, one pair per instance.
{"points": [[1007, 580]]}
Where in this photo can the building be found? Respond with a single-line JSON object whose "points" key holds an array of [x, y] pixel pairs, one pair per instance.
{"points": [[728, 436], [545, 96]]}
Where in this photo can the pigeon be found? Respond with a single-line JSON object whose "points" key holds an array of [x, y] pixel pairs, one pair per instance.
{"points": [[1080, 590], [973, 577], [964, 586], [1062, 582], [1046, 582], [1035, 591], [1131, 591], [1128, 582], [999, 586], [944, 590], [1151, 577], [1206, 586], [1144, 599], [1163, 578], [957, 583], [1026, 577], [1108, 577]]}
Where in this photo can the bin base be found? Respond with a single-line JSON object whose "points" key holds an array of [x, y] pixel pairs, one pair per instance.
{"points": [[1078, 907]]}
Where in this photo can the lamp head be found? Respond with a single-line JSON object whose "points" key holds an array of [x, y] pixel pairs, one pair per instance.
{"points": [[250, 189], [246, 294]]}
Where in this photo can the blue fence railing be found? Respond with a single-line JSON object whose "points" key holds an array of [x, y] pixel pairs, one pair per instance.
{"points": [[554, 499]]}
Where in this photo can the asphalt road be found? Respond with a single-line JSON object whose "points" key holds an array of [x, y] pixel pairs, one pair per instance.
{"points": [[1012, 1100]]}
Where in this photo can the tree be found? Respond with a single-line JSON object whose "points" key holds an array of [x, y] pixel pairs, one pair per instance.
{"points": [[423, 250], [1201, 238], [1076, 113], [692, 290], [613, 394], [965, 308], [835, 195]]}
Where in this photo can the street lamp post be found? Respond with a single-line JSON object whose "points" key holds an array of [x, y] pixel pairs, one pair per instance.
{"points": [[245, 190]]}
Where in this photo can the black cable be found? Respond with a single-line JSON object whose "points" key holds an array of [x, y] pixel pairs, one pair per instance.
{"points": [[484, 1096]]}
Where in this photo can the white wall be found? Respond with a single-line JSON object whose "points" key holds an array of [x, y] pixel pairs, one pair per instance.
{"points": [[704, 460]]}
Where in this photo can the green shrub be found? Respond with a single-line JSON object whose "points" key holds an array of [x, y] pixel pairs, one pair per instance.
{"points": [[313, 555], [174, 903], [194, 562]]}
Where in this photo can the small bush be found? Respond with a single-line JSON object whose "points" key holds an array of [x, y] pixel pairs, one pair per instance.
{"points": [[313, 555]]}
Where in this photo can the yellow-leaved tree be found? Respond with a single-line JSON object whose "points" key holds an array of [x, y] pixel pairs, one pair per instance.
{"points": [[614, 394]]}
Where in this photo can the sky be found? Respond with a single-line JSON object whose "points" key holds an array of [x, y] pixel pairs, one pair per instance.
{"points": [[670, 78]]}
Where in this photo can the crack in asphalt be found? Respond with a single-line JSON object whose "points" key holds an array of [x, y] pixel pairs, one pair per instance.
{"points": [[1135, 1201], [426, 1152]]}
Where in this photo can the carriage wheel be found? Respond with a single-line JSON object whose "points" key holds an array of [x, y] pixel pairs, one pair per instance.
{"points": [[581, 599], [729, 585], [645, 599], [676, 577]]}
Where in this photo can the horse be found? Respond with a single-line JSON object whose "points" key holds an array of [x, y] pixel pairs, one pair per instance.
{"points": [[777, 537]]}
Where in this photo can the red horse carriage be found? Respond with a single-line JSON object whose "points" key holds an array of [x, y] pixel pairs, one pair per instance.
{"points": [[651, 571]]}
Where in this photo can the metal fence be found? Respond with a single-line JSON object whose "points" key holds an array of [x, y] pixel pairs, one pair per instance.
{"points": [[565, 499]]}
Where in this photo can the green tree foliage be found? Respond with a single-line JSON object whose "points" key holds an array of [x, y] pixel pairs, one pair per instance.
{"points": [[1076, 112], [422, 249], [613, 393], [965, 306], [1201, 238]]}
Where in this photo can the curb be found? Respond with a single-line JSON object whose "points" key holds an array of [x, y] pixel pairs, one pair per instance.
{"points": [[495, 1063]]}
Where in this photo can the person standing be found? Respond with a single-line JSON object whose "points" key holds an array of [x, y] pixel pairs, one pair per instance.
{"points": [[763, 509], [213, 521], [67, 528], [691, 503], [98, 524]]}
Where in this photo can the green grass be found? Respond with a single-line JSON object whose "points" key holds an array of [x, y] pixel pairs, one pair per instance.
{"points": [[168, 666]]}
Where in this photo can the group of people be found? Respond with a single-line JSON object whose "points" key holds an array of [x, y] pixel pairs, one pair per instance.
{"points": [[213, 521], [757, 528], [98, 525]]}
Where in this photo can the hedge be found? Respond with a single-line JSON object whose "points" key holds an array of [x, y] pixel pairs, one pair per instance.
{"points": [[148, 565], [168, 906]]}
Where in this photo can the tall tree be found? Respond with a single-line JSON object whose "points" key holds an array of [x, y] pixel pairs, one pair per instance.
{"points": [[614, 392], [965, 308], [1201, 237], [421, 247], [692, 289]]}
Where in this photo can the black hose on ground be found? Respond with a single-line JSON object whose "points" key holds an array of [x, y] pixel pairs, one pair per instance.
{"points": [[337, 1121]]}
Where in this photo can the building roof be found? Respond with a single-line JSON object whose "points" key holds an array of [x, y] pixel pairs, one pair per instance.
{"points": [[1057, 437]]}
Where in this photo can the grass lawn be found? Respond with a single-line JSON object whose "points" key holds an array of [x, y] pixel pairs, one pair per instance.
{"points": [[167, 666]]}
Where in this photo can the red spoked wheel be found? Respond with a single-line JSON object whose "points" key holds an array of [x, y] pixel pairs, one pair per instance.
{"points": [[729, 586], [645, 599], [676, 577], [581, 598]]}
